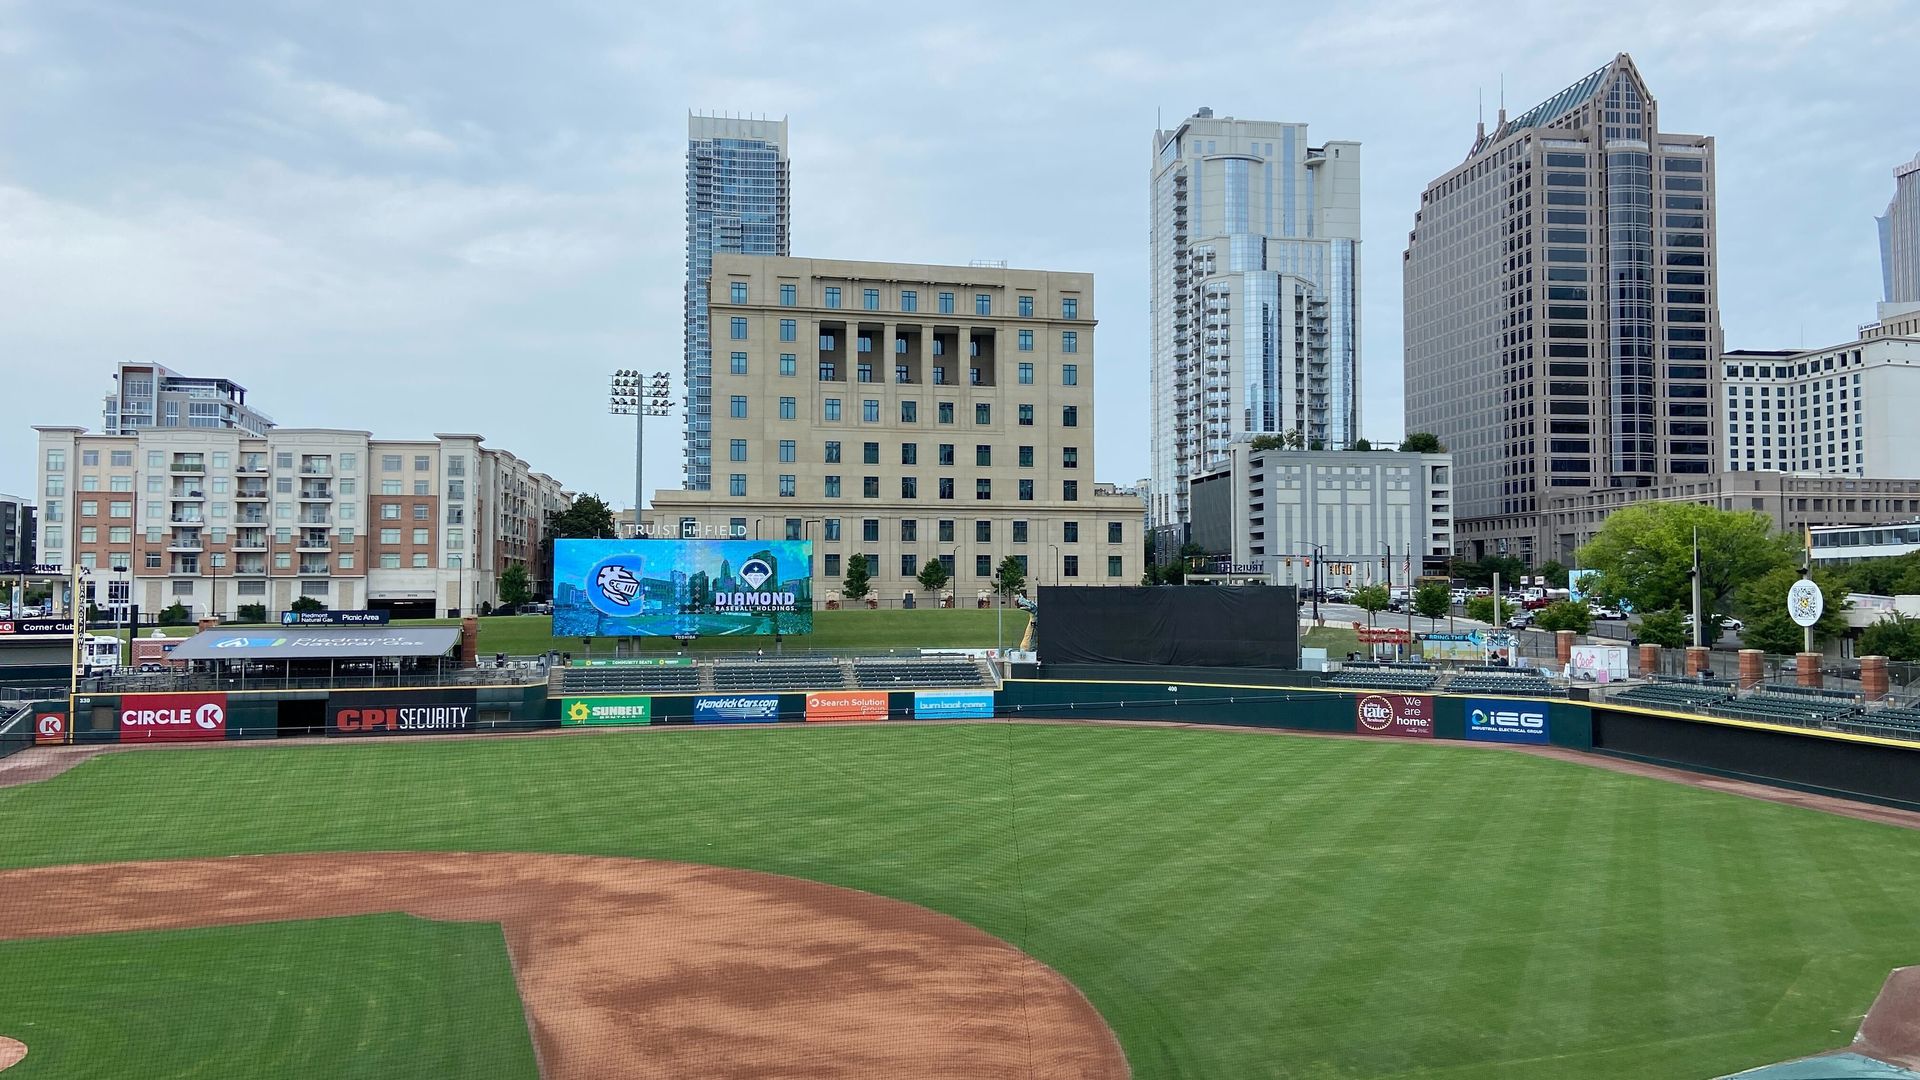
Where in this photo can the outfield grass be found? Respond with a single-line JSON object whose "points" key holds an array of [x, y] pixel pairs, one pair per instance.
{"points": [[1236, 905], [370, 998], [527, 635]]}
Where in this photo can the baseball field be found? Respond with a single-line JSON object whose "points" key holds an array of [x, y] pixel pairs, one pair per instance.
{"points": [[1232, 904]]}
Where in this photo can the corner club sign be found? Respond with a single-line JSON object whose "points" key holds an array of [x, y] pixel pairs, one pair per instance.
{"points": [[173, 716], [1404, 716], [1507, 721]]}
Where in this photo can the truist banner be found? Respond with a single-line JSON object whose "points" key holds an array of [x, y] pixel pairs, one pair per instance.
{"points": [[173, 716]]}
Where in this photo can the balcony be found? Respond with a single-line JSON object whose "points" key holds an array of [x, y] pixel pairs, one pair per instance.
{"points": [[250, 566], [316, 494], [194, 520], [244, 542], [315, 569], [185, 543], [252, 467], [315, 519], [189, 468], [310, 543], [252, 494], [315, 468]]}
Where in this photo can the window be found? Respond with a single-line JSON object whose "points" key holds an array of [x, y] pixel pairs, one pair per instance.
{"points": [[1026, 491], [739, 292], [57, 461], [789, 365], [390, 511], [870, 410], [946, 412], [983, 566], [1069, 374], [939, 370], [983, 488], [983, 532], [789, 485], [1069, 416], [420, 561], [909, 453], [1114, 531], [389, 462], [869, 487], [158, 460], [1113, 566], [1020, 531], [870, 453], [1070, 565], [833, 453], [946, 487], [789, 409], [421, 511], [89, 507], [946, 303], [1026, 416], [909, 412], [737, 406], [789, 330], [983, 454], [1070, 490], [1069, 307], [1026, 457], [89, 534], [833, 566], [833, 296], [120, 509], [832, 528], [737, 364], [833, 487], [739, 331], [1026, 373], [123, 459], [737, 485], [830, 409], [870, 298], [388, 561], [789, 296], [909, 487], [983, 413], [789, 451], [736, 449], [1069, 341], [909, 300], [983, 303], [829, 371], [1070, 532], [390, 536], [1069, 457], [946, 453], [420, 536], [870, 530], [120, 534], [88, 458], [1026, 307]]}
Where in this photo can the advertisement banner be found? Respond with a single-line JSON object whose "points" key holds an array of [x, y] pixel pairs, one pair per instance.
{"points": [[1472, 647], [846, 705], [953, 705], [638, 661], [1578, 589], [49, 728], [38, 627], [737, 709], [682, 588], [576, 711], [400, 712], [333, 618], [1402, 716], [173, 716], [1601, 663], [1492, 720]]}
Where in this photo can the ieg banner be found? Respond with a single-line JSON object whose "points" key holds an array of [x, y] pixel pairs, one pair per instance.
{"points": [[953, 705], [1405, 716], [400, 712], [606, 710], [1491, 720], [173, 716], [737, 709], [846, 705]]}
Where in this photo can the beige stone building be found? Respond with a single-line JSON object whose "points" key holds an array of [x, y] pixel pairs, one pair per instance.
{"points": [[909, 413]]}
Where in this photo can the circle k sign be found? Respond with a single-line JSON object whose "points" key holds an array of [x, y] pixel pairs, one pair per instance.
{"points": [[173, 716], [49, 728]]}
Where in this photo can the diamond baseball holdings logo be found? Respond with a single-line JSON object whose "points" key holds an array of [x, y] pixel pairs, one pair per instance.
{"points": [[1489, 720], [173, 716], [1403, 716]]}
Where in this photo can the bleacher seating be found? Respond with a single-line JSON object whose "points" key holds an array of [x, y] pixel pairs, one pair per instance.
{"points": [[619, 680], [1685, 696], [778, 674], [1892, 722], [1369, 677], [1802, 710], [1500, 681], [919, 672]]}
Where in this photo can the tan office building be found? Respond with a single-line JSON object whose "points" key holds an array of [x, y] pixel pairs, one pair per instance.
{"points": [[908, 413], [215, 519]]}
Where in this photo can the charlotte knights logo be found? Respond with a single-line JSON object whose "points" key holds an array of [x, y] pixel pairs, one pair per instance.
{"points": [[616, 584]]}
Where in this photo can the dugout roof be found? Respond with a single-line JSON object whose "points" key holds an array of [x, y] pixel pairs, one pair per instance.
{"points": [[318, 643]]}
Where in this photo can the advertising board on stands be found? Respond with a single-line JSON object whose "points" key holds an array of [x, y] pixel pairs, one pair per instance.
{"points": [[737, 709], [1494, 720], [400, 712], [682, 588], [1402, 716], [333, 618], [846, 705], [173, 716], [590, 711], [953, 704]]}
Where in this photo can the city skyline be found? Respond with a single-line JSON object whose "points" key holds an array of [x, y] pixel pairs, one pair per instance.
{"points": [[453, 257]]}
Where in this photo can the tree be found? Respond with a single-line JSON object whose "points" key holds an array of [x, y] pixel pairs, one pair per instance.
{"points": [[1896, 638], [587, 518], [514, 589], [1644, 555], [1152, 576], [1293, 439], [1316, 444], [1481, 608], [1361, 445], [1555, 574], [1371, 598], [175, 614], [1432, 600], [1422, 442], [1565, 615], [1481, 573], [306, 603], [1667, 627], [857, 585], [252, 613], [933, 576], [1009, 579], [1763, 603], [1267, 442]]}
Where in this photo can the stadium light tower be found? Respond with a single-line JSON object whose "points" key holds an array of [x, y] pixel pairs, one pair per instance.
{"points": [[639, 395]]}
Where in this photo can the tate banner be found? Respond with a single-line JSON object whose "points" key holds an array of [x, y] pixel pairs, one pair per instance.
{"points": [[1404, 716], [682, 588]]}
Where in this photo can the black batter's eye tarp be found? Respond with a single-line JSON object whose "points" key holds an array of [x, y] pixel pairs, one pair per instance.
{"points": [[1183, 625]]}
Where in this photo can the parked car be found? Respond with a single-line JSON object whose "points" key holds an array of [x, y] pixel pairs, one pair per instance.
{"points": [[1521, 619], [1727, 622], [536, 607], [1602, 611]]}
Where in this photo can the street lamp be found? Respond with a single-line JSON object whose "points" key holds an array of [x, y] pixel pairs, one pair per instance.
{"points": [[1313, 579], [631, 393], [1055, 548]]}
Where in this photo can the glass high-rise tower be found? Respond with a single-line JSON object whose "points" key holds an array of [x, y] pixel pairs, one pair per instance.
{"points": [[1256, 294], [1900, 240], [739, 199]]}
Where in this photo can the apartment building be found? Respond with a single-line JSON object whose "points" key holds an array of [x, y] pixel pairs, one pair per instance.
{"points": [[17, 533], [1900, 242], [1845, 410], [1383, 514], [1256, 293], [153, 396], [1561, 309], [908, 413], [215, 519]]}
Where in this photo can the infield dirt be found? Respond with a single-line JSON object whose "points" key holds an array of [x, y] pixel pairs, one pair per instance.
{"points": [[636, 968]]}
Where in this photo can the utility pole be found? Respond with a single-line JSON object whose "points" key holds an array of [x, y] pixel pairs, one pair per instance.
{"points": [[1699, 621]]}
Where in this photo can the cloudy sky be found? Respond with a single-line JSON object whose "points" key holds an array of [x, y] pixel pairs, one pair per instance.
{"points": [[455, 216]]}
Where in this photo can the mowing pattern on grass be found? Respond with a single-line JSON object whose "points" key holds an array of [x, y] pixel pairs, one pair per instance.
{"points": [[364, 998], [1235, 906]]}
